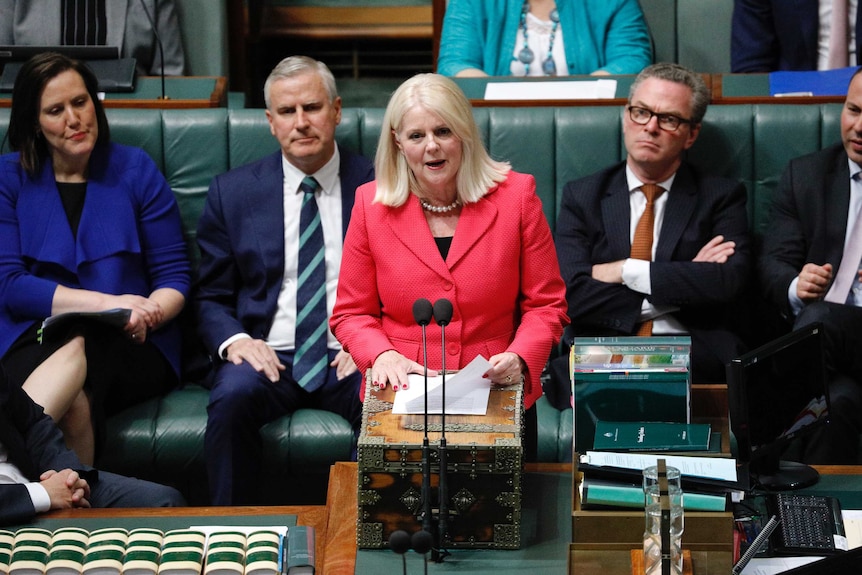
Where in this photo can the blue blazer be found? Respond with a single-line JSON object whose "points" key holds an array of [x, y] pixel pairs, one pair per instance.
{"points": [[241, 239], [770, 35], [129, 240]]}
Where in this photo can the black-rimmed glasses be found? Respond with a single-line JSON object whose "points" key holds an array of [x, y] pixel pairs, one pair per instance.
{"points": [[667, 122]]}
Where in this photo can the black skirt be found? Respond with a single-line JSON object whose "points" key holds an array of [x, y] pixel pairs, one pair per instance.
{"points": [[120, 373]]}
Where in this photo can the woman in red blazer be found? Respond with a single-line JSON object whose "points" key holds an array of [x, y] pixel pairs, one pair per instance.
{"points": [[443, 220]]}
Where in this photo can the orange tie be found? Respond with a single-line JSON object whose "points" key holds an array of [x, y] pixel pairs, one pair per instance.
{"points": [[642, 242]]}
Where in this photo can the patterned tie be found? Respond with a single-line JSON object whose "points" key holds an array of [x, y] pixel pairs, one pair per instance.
{"points": [[838, 37], [848, 270], [642, 242], [311, 358]]}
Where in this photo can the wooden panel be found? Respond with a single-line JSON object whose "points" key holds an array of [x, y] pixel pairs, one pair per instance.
{"points": [[349, 22]]}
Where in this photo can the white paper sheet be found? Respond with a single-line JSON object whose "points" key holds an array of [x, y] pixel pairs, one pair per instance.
{"points": [[774, 565], [553, 90], [852, 527], [466, 392], [706, 467]]}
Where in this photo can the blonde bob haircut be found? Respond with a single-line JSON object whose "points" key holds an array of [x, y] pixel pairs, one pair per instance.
{"points": [[441, 96]]}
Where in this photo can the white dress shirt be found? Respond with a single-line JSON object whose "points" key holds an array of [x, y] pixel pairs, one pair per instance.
{"points": [[636, 273], [10, 474], [825, 26], [283, 331]]}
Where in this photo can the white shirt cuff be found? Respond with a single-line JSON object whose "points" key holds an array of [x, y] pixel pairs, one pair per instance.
{"points": [[222, 349], [796, 304], [39, 496], [635, 274]]}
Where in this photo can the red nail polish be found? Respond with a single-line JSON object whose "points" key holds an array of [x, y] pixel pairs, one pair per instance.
{"points": [[394, 387]]}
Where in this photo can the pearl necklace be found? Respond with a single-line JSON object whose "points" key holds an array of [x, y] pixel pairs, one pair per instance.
{"points": [[439, 209]]}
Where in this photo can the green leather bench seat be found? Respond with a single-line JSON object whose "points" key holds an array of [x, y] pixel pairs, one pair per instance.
{"points": [[163, 439]]}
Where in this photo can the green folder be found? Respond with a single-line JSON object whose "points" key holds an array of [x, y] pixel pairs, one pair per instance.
{"points": [[651, 436]]}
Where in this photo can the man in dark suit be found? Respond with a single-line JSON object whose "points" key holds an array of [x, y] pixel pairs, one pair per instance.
{"points": [[771, 35], [253, 278], [38, 472], [698, 260], [810, 232]]}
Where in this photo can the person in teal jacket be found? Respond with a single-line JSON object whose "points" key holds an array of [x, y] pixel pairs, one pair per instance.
{"points": [[582, 36]]}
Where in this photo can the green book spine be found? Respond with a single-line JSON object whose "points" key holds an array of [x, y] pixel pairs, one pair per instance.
{"points": [[300, 550], [651, 376], [604, 493], [651, 436]]}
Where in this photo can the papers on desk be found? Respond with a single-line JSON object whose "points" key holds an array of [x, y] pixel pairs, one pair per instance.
{"points": [[556, 90], [723, 469], [466, 392]]}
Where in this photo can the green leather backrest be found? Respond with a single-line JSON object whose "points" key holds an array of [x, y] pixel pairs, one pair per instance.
{"points": [[750, 143]]}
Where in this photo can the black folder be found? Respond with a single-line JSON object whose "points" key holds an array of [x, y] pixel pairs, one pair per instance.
{"points": [[116, 75]]}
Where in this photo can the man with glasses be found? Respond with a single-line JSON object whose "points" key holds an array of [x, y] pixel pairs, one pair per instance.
{"points": [[651, 246]]}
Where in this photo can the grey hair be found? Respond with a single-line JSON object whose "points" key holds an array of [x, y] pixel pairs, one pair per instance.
{"points": [[680, 75], [295, 66]]}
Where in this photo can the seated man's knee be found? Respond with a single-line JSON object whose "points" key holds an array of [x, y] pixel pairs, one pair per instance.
{"points": [[818, 311], [236, 386]]}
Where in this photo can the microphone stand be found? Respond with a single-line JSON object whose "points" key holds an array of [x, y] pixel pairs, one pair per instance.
{"points": [[443, 315], [422, 313], [443, 489], [159, 43], [426, 451]]}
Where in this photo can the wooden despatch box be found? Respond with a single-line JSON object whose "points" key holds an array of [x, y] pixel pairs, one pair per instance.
{"points": [[485, 460]]}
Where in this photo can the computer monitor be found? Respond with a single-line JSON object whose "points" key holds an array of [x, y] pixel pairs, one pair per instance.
{"points": [[777, 393], [18, 53], [114, 74]]}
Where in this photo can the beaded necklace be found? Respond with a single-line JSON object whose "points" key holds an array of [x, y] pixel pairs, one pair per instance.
{"points": [[426, 205], [526, 56]]}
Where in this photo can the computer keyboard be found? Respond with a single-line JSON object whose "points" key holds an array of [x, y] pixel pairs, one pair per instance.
{"points": [[810, 524]]}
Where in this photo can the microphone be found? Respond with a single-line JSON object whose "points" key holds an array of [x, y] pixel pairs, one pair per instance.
{"points": [[399, 541], [158, 42], [443, 315], [443, 312], [422, 542], [422, 312]]}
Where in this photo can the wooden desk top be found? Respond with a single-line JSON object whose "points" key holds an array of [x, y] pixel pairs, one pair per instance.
{"points": [[182, 92]]}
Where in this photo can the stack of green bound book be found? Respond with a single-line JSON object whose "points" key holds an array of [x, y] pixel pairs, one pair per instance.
{"points": [[632, 379]]}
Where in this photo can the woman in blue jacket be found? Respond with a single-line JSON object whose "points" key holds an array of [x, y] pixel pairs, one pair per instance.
{"points": [[85, 226], [543, 38]]}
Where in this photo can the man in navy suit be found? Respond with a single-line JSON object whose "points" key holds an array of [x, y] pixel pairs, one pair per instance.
{"points": [[772, 35], [247, 299], [700, 247], [812, 216], [38, 472]]}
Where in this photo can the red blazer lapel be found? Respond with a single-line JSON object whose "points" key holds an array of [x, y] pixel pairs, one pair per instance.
{"points": [[476, 219]]}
